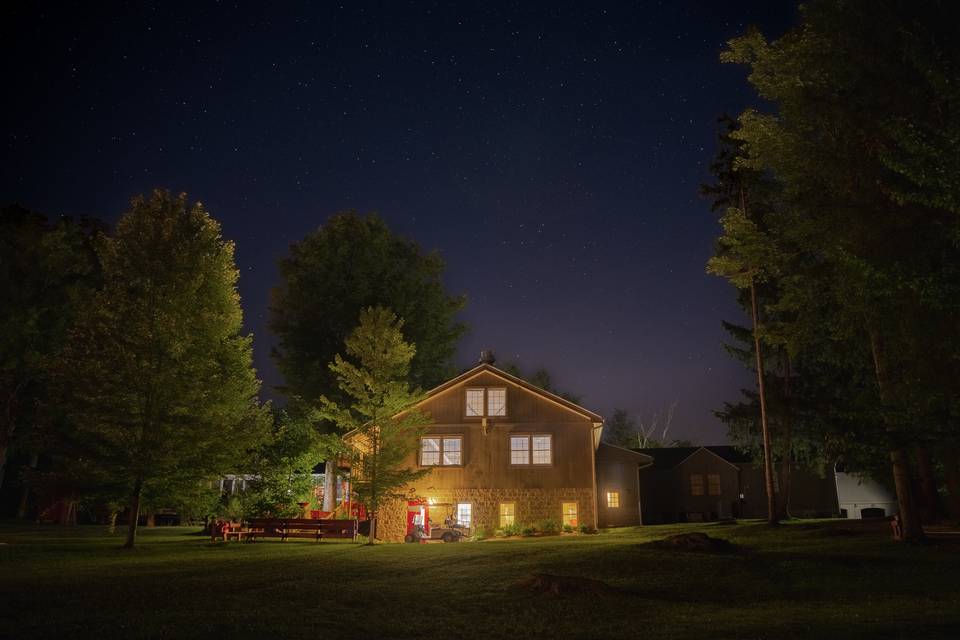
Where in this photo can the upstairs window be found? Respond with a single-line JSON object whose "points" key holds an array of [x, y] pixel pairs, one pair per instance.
{"points": [[483, 402], [441, 451], [696, 484], [713, 484], [527, 450]]}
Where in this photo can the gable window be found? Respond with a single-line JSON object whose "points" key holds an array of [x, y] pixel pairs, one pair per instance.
{"points": [[613, 499], [497, 402], [484, 402], [568, 511], [464, 514], [696, 484], [525, 450], [508, 513], [441, 451], [713, 484], [474, 403]]}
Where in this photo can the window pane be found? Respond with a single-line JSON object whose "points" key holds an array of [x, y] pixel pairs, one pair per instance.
{"points": [[713, 484], [570, 513], [613, 498], [696, 485], [542, 449], [429, 451], [451, 451], [507, 513], [474, 402], [464, 514], [520, 450], [496, 402]]}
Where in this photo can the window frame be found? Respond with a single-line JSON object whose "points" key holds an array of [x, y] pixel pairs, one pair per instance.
{"points": [[710, 484], [457, 513], [564, 514], [530, 463], [613, 497], [441, 437], [513, 514], [699, 483], [485, 406]]}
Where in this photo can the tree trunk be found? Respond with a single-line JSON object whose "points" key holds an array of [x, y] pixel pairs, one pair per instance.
{"points": [[134, 513], [772, 515], [113, 520], [329, 485], [4, 448], [951, 464], [373, 529], [786, 466], [909, 518], [25, 492], [933, 510]]}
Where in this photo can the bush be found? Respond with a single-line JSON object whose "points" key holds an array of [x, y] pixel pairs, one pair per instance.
{"points": [[528, 531], [480, 533], [586, 528], [567, 528], [549, 527], [510, 530]]}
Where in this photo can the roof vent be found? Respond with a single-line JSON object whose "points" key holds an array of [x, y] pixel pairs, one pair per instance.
{"points": [[486, 357]]}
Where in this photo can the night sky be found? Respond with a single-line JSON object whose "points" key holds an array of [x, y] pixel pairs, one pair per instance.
{"points": [[551, 153]]}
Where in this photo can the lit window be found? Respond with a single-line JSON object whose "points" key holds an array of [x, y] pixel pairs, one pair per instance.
{"points": [[474, 402], [519, 450], [713, 484], [542, 447], [496, 402], [696, 484], [464, 514], [436, 451], [452, 449], [613, 499], [508, 512], [569, 510]]}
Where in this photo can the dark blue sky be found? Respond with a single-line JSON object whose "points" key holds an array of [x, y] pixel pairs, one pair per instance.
{"points": [[550, 152]]}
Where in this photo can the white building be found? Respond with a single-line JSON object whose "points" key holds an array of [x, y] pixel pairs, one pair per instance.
{"points": [[860, 497]]}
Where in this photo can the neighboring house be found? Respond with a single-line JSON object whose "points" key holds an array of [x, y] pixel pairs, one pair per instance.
{"points": [[502, 451], [861, 497], [689, 484]]}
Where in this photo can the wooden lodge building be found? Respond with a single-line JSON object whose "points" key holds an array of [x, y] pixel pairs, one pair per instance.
{"points": [[502, 451]]}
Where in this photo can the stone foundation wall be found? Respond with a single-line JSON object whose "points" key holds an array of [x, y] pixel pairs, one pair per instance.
{"points": [[531, 506]]}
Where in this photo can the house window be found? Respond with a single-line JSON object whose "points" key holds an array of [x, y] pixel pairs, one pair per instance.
{"points": [[613, 499], [569, 512], [526, 450], [496, 402], [713, 484], [464, 514], [483, 402], [508, 513], [441, 451], [474, 403], [696, 484]]}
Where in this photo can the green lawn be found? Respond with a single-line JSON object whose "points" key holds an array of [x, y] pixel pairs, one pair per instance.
{"points": [[800, 580]]}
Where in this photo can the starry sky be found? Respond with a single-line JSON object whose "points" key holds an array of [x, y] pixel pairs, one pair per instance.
{"points": [[551, 152]]}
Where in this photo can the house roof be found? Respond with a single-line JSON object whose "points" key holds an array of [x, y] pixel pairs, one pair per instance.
{"points": [[670, 457], [644, 459], [520, 382]]}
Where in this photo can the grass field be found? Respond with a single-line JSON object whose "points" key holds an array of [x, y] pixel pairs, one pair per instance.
{"points": [[800, 580]]}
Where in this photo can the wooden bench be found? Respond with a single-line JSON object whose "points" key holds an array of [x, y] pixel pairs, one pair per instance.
{"points": [[225, 530], [284, 528]]}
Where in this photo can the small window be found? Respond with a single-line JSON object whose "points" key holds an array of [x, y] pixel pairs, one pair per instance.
{"points": [[569, 512], [613, 499], [464, 514], [519, 450], [437, 451], [696, 484], [508, 513], [496, 402], [474, 403], [542, 449], [713, 484]]}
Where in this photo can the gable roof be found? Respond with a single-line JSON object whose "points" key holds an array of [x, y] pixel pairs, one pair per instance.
{"points": [[488, 368], [671, 457], [643, 458]]}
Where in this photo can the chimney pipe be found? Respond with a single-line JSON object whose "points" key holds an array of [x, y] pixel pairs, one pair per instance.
{"points": [[486, 357]]}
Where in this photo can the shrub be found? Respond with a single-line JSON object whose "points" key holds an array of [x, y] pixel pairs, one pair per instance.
{"points": [[567, 528], [549, 526], [586, 528], [480, 533], [528, 531], [511, 530]]}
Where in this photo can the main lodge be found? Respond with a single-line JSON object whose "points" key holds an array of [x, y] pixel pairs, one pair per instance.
{"points": [[501, 451]]}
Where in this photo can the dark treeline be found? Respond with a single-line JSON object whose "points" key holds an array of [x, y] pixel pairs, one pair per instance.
{"points": [[841, 231]]}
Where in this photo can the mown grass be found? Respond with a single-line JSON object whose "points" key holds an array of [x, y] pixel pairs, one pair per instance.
{"points": [[808, 579]]}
